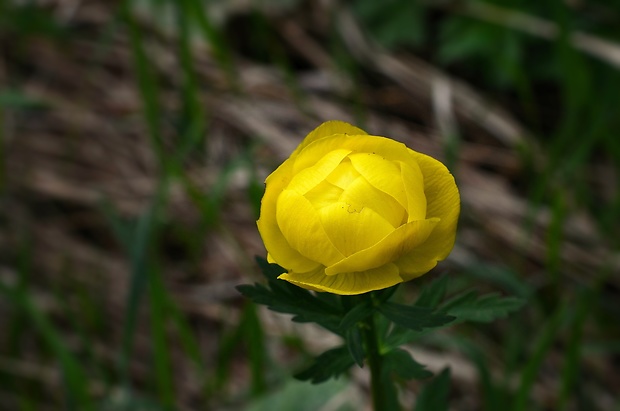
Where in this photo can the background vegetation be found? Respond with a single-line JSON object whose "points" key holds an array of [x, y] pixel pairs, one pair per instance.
{"points": [[134, 139]]}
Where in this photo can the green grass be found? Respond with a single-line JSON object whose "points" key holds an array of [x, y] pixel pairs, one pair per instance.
{"points": [[567, 99]]}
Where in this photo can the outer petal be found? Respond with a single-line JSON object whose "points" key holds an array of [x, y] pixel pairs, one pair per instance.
{"points": [[443, 201], [400, 241], [385, 147], [346, 283], [413, 182], [414, 265], [278, 248], [382, 174], [302, 228], [353, 227], [326, 129]]}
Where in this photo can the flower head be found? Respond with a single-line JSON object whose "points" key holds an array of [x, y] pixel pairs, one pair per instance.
{"points": [[349, 213]]}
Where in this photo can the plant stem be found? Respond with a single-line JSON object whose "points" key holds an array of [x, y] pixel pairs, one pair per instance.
{"points": [[369, 334]]}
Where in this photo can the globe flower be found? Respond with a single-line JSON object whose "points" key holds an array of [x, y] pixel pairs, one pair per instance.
{"points": [[349, 213]]}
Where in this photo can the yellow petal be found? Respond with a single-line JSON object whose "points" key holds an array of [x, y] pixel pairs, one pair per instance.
{"points": [[323, 194], [302, 228], [353, 227], [382, 174], [361, 192], [346, 283], [278, 249], [343, 175], [442, 201], [307, 179], [327, 129], [400, 241], [414, 265], [413, 181], [385, 147]]}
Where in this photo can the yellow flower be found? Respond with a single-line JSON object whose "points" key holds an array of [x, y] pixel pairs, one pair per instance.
{"points": [[349, 213]]}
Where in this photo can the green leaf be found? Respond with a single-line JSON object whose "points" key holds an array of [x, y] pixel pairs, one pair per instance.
{"points": [[271, 271], [357, 314], [355, 346], [401, 363], [504, 277], [382, 296], [415, 318], [435, 394], [330, 364], [284, 297], [470, 307], [433, 293]]}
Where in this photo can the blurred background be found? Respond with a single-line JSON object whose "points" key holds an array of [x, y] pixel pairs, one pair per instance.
{"points": [[135, 137]]}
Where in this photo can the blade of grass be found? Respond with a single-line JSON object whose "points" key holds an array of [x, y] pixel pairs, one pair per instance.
{"points": [[147, 84], [193, 122], [75, 381], [249, 334], [573, 353], [138, 240], [3, 175], [542, 346], [163, 369], [555, 236], [255, 344], [213, 37]]}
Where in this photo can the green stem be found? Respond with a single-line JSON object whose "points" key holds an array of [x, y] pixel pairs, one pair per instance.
{"points": [[369, 334]]}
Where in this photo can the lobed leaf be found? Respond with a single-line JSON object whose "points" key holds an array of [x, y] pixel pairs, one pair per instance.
{"points": [[330, 364], [414, 317], [287, 298], [355, 346], [471, 307], [401, 363], [358, 313], [432, 295]]}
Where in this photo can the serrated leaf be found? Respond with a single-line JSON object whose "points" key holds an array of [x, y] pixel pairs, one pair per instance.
{"points": [[330, 364], [304, 310], [271, 271], [259, 294], [486, 308], [382, 296], [358, 313], [401, 363], [433, 293], [435, 395], [414, 318], [354, 345], [284, 297]]}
